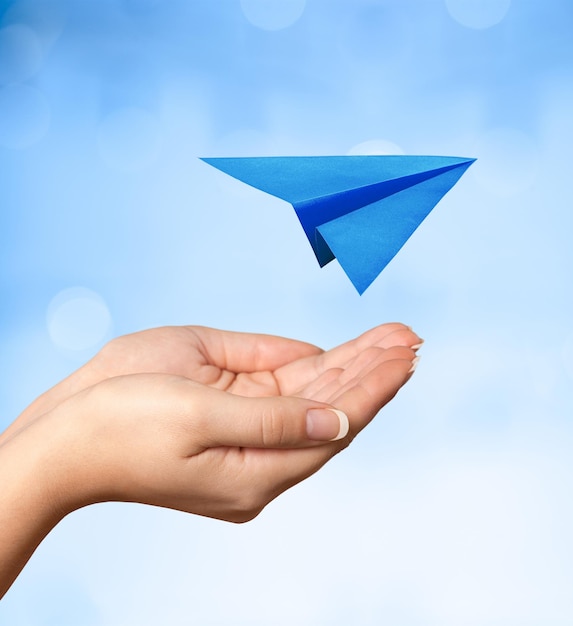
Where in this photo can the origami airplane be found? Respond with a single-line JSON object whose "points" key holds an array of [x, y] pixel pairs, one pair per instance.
{"points": [[359, 209]]}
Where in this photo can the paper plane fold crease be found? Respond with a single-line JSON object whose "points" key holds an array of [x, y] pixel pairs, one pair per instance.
{"points": [[358, 209]]}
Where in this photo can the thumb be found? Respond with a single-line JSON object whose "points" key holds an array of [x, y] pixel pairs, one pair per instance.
{"points": [[274, 422]]}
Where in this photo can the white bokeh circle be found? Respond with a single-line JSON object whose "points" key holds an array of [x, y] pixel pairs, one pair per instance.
{"points": [[25, 116], [478, 14], [376, 146], [129, 139], [78, 319], [273, 14], [507, 161], [20, 53]]}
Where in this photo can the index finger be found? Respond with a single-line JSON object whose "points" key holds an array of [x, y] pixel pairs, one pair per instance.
{"points": [[249, 352]]}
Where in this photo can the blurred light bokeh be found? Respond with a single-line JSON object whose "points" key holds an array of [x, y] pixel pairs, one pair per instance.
{"points": [[455, 506]]}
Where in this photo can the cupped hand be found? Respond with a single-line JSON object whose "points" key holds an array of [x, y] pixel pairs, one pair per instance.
{"points": [[210, 422], [224, 412], [169, 441], [225, 395], [247, 364]]}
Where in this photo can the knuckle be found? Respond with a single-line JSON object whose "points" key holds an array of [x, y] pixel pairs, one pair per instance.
{"points": [[111, 350], [273, 428]]}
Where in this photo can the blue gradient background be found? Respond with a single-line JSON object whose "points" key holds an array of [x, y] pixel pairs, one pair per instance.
{"points": [[455, 506]]}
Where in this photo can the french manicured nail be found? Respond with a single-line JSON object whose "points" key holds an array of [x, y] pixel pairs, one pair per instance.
{"points": [[418, 345], [326, 424], [415, 362]]}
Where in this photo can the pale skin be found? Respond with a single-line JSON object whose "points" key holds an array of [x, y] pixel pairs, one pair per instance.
{"points": [[209, 422]]}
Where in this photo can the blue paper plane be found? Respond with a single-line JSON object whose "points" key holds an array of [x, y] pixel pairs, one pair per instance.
{"points": [[358, 209]]}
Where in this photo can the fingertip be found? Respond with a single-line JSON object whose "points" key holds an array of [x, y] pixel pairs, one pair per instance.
{"points": [[326, 424], [401, 337], [344, 424], [414, 365]]}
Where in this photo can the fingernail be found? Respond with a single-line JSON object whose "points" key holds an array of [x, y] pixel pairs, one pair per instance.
{"points": [[326, 424], [418, 345], [415, 362]]}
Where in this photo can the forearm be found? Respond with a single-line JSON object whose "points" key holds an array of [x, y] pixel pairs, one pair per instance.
{"points": [[80, 379], [28, 505]]}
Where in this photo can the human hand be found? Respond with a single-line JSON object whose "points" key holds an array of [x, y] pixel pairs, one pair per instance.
{"points": [[241, 363], [168, 441], [222, 445], [358, 377], [226, 369]]}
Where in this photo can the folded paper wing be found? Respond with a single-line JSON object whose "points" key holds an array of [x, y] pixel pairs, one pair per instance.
{"points": [[358, 209]]}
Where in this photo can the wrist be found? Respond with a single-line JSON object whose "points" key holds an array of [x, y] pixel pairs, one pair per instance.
{"points": [[30, 505]]}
